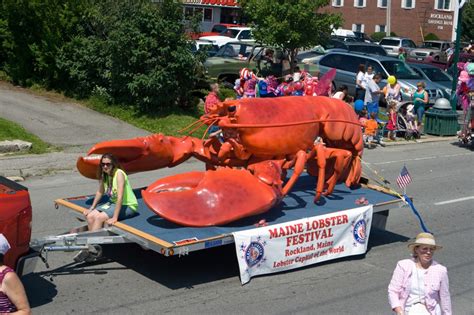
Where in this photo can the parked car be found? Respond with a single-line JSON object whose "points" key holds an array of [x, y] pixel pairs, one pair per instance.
{"points": [[437, 48], [226, 64], [438, 77], [394, 45], [233, 56], [208, 46], [347, 64], [336, 45], [216, 30], [363, 37], [229, 35]]}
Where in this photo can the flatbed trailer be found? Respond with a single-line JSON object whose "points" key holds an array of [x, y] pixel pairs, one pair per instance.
{"points": [[155, 233]]}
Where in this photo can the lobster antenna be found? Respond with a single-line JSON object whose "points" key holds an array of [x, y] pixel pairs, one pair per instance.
{"points": [[199, 126], [194, 123]]}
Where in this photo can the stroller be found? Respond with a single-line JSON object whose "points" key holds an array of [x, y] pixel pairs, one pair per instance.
{"points": [[406, 125]]}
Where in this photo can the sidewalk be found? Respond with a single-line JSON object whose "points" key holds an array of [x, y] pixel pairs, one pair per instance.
{"points": [[423, 139]]}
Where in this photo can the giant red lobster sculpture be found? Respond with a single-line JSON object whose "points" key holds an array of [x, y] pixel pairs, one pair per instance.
{"points": [[262, 139]]}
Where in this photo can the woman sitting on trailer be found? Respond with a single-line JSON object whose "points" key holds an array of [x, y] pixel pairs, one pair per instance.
{"points": [[120, 202]]}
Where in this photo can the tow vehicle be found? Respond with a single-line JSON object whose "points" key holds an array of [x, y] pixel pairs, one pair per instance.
{"points": [[15, 225]]}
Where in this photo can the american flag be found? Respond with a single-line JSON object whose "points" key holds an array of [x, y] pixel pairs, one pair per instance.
{"points": [[404, 178]]}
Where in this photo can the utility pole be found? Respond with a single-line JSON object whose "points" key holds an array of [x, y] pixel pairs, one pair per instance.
{"points": [[457, 7], [387, 22]]}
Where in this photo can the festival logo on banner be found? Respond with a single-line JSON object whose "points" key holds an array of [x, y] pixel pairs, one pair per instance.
{"points": [[359, 230], [253, 253], [298, 243]]}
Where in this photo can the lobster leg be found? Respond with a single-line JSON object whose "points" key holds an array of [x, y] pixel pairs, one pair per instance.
{"points": [[342, 161], [300, 161], [320, 151], [355, 172], [319, 158]]}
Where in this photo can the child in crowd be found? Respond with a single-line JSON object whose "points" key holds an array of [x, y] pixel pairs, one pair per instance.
{"points": [[363, 117], [371, 130], [392, 120], [410, 117]]}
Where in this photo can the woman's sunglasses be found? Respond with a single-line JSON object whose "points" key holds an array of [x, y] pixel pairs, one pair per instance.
{"points": [[105, 164]]}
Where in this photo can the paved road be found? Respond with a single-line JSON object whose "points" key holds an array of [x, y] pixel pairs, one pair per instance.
{"points": [[207, 282], [70, 126], [131, 279]]}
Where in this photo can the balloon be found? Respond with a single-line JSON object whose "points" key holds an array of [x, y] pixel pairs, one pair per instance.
{"points": [[358, 105], [391, 80]]}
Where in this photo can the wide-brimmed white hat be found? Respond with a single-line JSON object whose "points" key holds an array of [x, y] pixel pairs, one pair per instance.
{"points": [[424, 239], [4, 245]]}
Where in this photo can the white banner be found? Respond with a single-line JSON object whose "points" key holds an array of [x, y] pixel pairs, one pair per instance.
{"points": [[302, 242]]}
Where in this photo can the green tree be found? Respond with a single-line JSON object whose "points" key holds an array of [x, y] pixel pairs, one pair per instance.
{"points": [[377, 36], [290, 25], [468, 21], [431, 36], [129, 52]]}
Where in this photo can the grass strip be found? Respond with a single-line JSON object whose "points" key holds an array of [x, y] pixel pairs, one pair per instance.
{"points": [[12, 131]]}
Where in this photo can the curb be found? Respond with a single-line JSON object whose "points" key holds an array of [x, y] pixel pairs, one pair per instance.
{"points": [[8, 146], [427, 139]]}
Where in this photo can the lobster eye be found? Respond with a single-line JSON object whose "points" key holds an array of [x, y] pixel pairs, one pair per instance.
{"points": [[232, 108]]}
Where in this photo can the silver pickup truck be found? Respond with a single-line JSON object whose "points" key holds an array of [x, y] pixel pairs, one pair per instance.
{"points": [[436, 47]]}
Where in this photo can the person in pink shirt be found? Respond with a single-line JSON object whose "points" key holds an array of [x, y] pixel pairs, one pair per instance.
{"points": [[420, 285], [212, 99]]}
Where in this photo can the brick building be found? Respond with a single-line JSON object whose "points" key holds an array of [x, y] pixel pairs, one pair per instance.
{"points": [[408, 18]]}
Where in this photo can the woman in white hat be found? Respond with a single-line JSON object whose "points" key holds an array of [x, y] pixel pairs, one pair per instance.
{"points": [[420, 285], [12, 293]]}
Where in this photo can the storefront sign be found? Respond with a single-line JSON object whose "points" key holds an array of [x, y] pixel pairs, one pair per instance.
{"points": [[212, 2], [302, 242], [440, 20]]}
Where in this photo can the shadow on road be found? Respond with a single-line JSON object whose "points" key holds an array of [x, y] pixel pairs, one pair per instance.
{"points": [[174, 272]]}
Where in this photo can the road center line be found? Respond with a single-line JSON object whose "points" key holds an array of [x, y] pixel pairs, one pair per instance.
{"points": [[422, 158], [453, 201]]}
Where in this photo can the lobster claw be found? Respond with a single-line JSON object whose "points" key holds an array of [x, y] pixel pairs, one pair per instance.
{"points": [[134, 155], [210, 198]]}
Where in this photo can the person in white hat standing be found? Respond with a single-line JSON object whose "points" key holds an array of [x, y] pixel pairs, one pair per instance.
{"points": [[12, 293], [420, 285]]}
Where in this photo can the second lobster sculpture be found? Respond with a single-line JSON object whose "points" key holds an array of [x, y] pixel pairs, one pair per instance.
{"points": [[261, 139]]}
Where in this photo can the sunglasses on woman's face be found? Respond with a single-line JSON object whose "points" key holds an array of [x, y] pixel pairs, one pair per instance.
{"points": [[106, 164], [425, 249]]}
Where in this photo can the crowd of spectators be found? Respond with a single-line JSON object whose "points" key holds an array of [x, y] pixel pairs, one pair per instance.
{"points": [[368, 95]]}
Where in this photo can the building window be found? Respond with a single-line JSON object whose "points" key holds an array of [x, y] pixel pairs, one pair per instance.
{"points": [[408, 4], [206, 14], [358, 27], [337, 3], [444, 5], [382, 3], [380, 28], [359, 3]]}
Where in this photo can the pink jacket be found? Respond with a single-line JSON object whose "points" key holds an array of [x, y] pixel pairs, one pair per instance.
{"points": [[436, 286]]}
